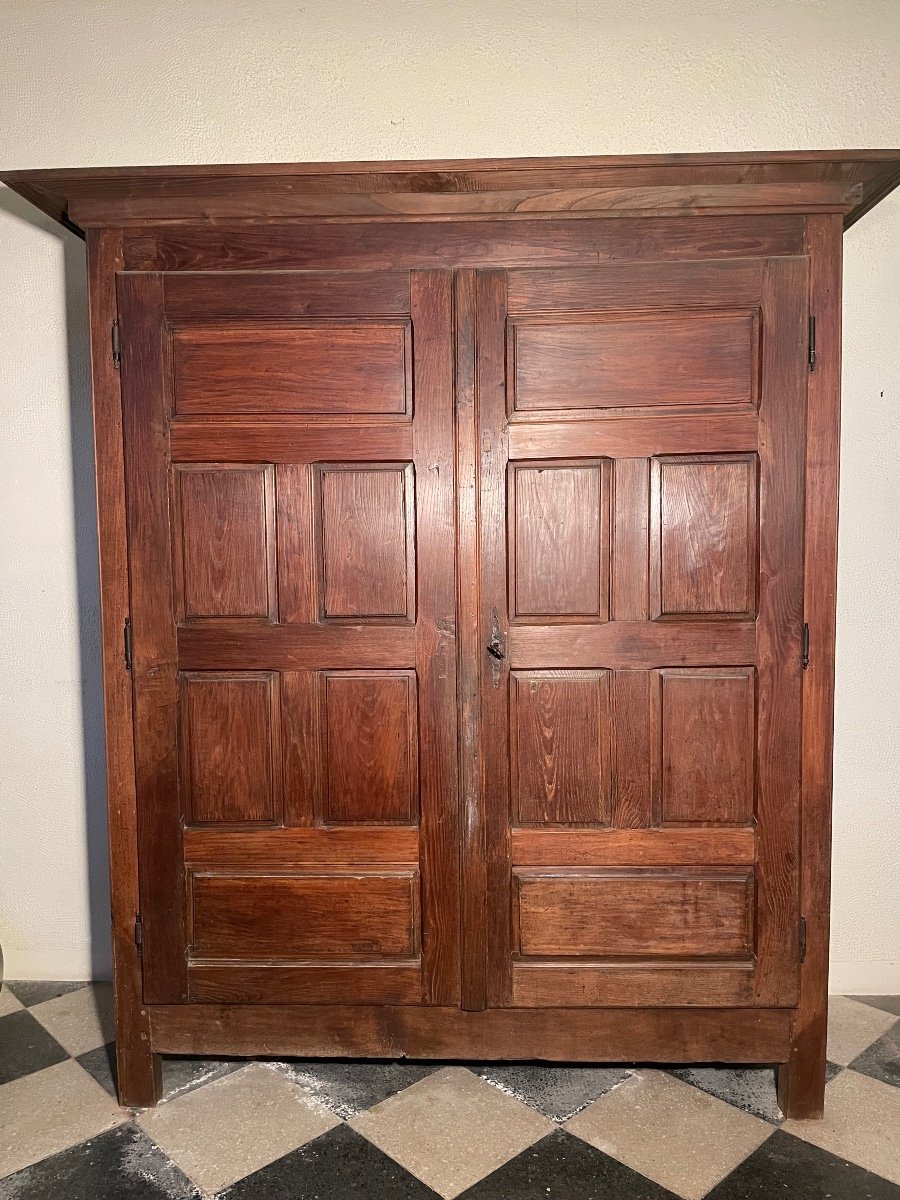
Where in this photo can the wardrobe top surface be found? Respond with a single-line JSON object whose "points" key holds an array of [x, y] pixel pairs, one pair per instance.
{"points": [[849, 182]]}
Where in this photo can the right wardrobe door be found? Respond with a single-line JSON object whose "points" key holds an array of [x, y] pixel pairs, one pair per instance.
{"points": [[640, 444]]}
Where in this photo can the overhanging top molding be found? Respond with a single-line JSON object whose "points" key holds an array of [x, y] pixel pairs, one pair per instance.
{"points": [[843, 181]]}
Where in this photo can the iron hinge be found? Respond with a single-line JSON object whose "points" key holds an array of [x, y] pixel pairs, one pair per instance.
{"points": [[138, 932], [802, 939], [811, 351], [129, 644], [116, 344], [805, 647]]}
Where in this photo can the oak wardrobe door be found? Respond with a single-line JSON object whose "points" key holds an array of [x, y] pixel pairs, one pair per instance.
{"points": [[635, 838], [289, 470]]}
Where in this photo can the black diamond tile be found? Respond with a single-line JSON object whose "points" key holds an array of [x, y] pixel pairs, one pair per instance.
{"points": [[122, 1164], [751, 1089], [101, 1063], [785, 1166], [348, 1088], [26, 1046], [35, 991], [889, 1004], [562, 1167], [180, 1075], [882, 1059], [339, 1165], [832, 1070], [559, 1092]]}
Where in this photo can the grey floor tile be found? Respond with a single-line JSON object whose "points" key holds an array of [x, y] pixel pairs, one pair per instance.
{"points": [[889, 1004], [751, 1089], [339, 1165], [349, 1088], [122, 1164], [882, 1059], [180, 1075], [559, 1092], [101, 1064], [561, 1167], [785, 1167], [36, 991], [26, 1046]]}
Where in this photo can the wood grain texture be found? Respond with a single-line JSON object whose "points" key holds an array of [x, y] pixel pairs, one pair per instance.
{"points": [[366, 541], [323, 983], [224, 533], [460, 244], [276, 849], [431, 304], [230, 747], [615, 436], [632, 847], [630, 540], [371, 738], [780, 621], [703, 983], [707, 732], [138, 1069], [289, 441], [630, 723], [559, 540], [292, 296], [703, 536], [323, 368], [801, 1082], [639, 914], [559, 747], [254, 647], [271, 917], [553, 1034], [625, 645], [643, 360], [146, 407]]}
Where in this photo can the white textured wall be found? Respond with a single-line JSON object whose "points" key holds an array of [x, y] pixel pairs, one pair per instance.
{"points": [[85, 82]]}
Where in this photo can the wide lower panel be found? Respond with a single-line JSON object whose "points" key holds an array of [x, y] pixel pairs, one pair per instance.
{"points": [[736, 1035]]}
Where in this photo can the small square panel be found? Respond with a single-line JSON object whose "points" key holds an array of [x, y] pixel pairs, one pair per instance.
{"points": [[371, 746], [451, 1129], [224, 543], [703, 536], [559, 540], [366, 541], [230, 746]]}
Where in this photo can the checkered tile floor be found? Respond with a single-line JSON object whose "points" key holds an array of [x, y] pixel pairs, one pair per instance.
{"points": [[407, 1131]]}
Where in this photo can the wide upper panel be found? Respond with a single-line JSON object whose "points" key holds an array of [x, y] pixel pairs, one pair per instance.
{"points": [[844, 181]]}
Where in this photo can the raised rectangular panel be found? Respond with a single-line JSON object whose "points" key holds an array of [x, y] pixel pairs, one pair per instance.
{"points": [[617, 360], [559, 747], [707, 724], [559, 540], [703, 536], [371, 743], [351, 915], [366, 541], [646, 914], [322, 368], [230, 747], [224, 540]]}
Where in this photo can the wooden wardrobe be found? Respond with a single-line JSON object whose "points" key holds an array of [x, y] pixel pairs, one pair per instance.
{"points": [[467, 539]]}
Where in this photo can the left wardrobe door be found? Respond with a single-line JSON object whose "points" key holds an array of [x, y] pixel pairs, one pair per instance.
{"points": [[289, 476]]}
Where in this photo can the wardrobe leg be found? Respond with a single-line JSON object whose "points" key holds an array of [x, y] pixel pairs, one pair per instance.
{"points": [[801, 1080], [139, 1071]]}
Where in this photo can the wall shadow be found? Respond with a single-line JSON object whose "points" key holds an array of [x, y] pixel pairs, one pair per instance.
{"points": [[84, 510]]}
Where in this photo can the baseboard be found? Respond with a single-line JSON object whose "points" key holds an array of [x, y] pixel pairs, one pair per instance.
{"points": [[53, 964], [864, 978]]}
